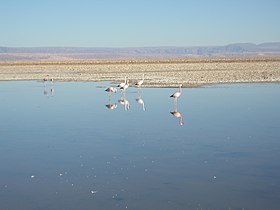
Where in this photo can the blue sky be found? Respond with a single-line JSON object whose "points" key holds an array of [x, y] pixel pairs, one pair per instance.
{"points": [[137, 23]]}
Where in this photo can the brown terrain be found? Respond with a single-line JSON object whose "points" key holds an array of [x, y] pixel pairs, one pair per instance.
{"points": [[158, 72]]}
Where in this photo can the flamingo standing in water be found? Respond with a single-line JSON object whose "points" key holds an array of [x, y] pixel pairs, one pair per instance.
{"points": [[125, 86], [177, 94], [178, 115], [123, 83], [111, 90], [140, 82]]}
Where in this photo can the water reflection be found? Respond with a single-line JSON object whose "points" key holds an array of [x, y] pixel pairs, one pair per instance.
{"points": [[139, 99], [48, 87], [111, 106], [178, 115], [124, 102]]}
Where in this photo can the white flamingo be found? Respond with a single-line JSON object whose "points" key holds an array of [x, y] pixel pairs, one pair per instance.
{"points": [[125, 86], [178, 115], [177, 94], [140, 82], [123, 83]]}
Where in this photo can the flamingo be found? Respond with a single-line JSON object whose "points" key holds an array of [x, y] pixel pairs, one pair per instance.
{"points": [[123, 83], [111, 90], [140, 82], [178, 115], [125, 86], [45, 79], [177, 94]]}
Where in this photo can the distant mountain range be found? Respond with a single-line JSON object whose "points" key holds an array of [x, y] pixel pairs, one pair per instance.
{"points": [[72, 53]]}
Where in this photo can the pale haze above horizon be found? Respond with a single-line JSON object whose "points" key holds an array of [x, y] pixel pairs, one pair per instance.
{"points": [[145, 23]]}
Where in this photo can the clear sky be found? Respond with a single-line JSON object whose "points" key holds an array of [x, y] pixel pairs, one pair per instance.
{"points": [[137, 23]]}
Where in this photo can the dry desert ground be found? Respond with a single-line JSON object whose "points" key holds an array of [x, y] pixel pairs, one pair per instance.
{"points": [[158, 73]]}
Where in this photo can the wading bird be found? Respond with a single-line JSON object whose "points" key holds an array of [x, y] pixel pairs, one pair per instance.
{"points": [[123, 83], [140, 82], [125, 86], [177, 94], [111, 90]]}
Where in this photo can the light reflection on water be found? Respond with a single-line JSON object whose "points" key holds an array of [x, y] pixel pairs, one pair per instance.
{"points": [[72, 146]]}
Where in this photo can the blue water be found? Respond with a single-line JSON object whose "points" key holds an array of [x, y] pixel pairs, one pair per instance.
{"points": [[62, 148]]}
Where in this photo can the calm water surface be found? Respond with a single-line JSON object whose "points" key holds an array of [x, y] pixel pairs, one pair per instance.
{"points": [[61, 147]]}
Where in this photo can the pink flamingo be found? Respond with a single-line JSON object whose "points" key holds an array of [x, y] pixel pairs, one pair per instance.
{"points": [[177, 94], [178, 115], [111, 90]]}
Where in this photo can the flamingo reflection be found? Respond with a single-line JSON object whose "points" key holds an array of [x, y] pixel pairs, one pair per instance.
{"points": [[124, 102], [178, 115], [111, 106], [52, 91], [47, 88], [140, 101]]}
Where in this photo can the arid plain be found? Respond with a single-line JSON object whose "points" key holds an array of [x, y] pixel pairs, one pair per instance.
{"points": [[158, 73]]}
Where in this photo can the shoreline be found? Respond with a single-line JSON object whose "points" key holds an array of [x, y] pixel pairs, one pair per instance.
{"points": [[158, 73]]}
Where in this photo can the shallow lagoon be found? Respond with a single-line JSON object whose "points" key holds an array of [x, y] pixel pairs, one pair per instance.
{"points": [[61, 147]]}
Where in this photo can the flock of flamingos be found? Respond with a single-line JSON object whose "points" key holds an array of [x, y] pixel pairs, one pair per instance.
{"points": [[123, 87]]}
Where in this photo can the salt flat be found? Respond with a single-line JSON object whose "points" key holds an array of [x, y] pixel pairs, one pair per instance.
{"points": [[158, 73]]}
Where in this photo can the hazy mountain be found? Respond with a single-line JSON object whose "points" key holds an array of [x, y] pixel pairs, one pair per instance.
{"points": [[64, 53]]}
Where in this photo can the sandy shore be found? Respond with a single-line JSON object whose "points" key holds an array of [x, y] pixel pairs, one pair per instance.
{"points": [[158, 73]]}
